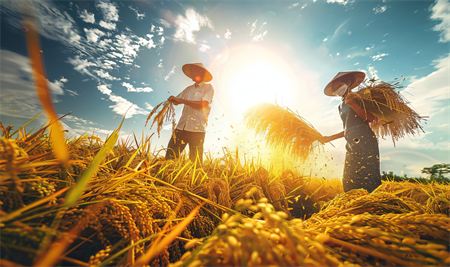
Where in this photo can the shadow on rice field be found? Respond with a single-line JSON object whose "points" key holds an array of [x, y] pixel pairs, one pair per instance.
{"points": [[115, 205]]}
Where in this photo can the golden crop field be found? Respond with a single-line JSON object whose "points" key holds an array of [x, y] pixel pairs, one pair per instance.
{"points": [[115, 205]]}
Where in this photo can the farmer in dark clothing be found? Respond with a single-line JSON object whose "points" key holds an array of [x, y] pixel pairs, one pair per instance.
{"points": [[362, 162], [191, 128]]}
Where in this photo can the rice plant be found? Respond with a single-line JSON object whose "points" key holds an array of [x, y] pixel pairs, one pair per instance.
{"points": [[115, 205]]}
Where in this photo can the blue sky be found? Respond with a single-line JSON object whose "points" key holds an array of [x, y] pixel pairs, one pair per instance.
{"points": [[101, 57]]}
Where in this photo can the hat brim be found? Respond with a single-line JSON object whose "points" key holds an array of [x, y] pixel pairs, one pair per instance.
{"points": [[356, 78], [187, 71]]}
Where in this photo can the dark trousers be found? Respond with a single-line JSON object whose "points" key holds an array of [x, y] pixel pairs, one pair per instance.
{"points": [[179, 140]]}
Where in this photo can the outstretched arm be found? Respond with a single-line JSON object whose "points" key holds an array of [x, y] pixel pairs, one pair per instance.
{"points": [[194, 104], [326, 139]]}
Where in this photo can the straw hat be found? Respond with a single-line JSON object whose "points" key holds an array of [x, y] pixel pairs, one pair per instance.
{"points": [[187, 70], [342, 78]]}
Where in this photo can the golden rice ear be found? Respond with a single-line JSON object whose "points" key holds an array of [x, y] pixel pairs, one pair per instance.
{"points": [[167, 113], [280, 126], [394, 116]]}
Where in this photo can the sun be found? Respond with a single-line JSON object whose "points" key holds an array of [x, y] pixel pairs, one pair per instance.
{"points": [[257, 75]]}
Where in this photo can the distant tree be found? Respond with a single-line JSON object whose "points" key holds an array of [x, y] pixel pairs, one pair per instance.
{"points": [[439, 169]]}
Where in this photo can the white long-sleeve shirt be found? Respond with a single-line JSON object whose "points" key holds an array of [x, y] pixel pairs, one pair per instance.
{"points": [[194, 119]]}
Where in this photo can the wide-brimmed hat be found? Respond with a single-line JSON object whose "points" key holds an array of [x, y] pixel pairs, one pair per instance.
{"points": [[187, 70], [342, 78]]}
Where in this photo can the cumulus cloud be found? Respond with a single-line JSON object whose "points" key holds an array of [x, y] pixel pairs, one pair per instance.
{"points": [[293, 5], [93, 34], [52, 23], [103, 74], [148, 106], [170, 74], [86, 16], [441, 12], [190, 23], [430, 94], [104, 89], [122, 105], [379, 56], [379, 9], [227, 35], [18, 96], [340, 2], [139, 15], [204, 48], [131, 88], [109, 10], [107, 25], [260, 36], [81, 65]]}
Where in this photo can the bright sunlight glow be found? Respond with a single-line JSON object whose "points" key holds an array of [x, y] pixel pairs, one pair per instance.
{"points": [[256, 75]]}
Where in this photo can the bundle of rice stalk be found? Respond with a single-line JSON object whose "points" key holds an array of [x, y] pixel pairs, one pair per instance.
{"points": [[394, 116], [167, 113], [281, 126]]}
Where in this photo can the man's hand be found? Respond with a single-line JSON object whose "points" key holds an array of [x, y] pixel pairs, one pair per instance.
{"points": [[174, 100]]}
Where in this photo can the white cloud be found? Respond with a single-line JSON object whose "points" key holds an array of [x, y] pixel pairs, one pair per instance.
{"points": [[93, 34], [107, 25], [373, 72], [160, 30], [293, 5], [259, 37], [72, 118], [147, 42], [170, 74], [52, 23], [379, 9], [122, 105], [357, 63], [160, 65], [227, 35], [18, 96], [164, 23], [139, 16], [72, 93], [341, 2], [104, 89], [131, 88], [441, 12], [204, 48], [189, 24], [379, 56], [86, 16], [253, 27], [109, 10], [81, 65], [148, 106], [326, 39], [106, 75], [429, 94]]}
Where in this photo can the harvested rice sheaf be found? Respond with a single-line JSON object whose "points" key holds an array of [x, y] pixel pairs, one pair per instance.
{"points": [[167, 113], [281, 126], [394, 116]]}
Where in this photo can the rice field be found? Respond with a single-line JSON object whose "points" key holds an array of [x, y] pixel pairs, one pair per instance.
{"points": [[115, 203]]}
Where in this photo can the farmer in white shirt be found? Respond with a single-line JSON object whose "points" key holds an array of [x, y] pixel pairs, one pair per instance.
{"points": [[191, 128]]}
